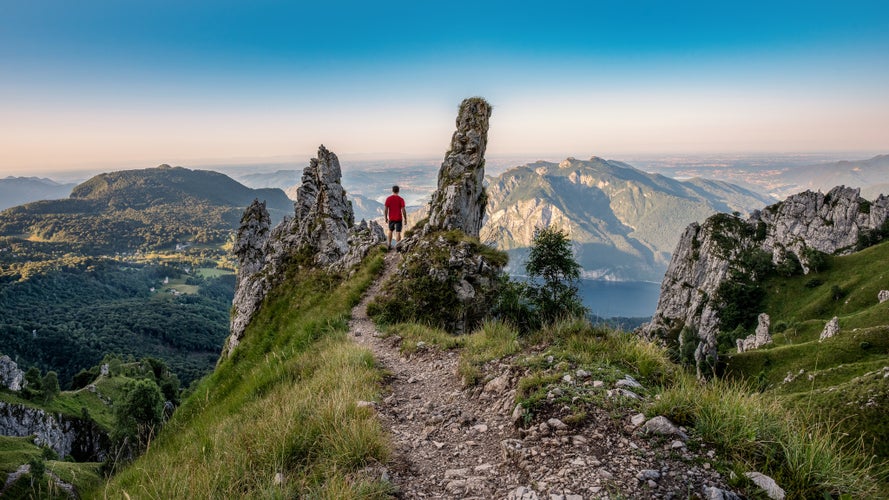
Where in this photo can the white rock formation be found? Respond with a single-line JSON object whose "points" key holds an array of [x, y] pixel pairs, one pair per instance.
{"points": [[322, 231], [830, 329], [11, 377], [883, 296], [830, 223], [758, 339], [459, 202]]}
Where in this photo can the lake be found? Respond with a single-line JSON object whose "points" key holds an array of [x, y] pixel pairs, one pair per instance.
{"points": [[627, 299]]}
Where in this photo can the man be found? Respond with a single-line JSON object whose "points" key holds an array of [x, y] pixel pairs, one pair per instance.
{"points": [[395, 215]]}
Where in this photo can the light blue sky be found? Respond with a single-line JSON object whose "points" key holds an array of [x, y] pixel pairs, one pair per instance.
{"points": [[125, 83]]}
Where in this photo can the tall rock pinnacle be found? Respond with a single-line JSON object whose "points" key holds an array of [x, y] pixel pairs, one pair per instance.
{"points": [[459, 202], [447, 277]]}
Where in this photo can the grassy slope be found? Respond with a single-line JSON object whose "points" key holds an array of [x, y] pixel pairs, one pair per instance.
{"points": [[16, 451], [72, 403], [284, 403], [840, 380]]}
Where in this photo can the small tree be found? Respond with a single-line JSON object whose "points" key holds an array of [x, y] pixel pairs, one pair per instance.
{"points": [[552, 260], [139, 412], [50, 383]]}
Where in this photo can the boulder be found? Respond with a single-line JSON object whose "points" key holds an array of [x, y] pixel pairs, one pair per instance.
{"points": [[830, 329], [883, 296], [767, 484], [11, 377], [662, 426], [758, 339], [714, 493]]}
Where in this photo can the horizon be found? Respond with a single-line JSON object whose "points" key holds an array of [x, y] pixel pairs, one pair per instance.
{"points": [[238, 168], [98, 85]]}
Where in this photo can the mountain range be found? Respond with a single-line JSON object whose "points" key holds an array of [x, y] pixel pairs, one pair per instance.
{"points": [[19, 190], [871, 175], [624, 222]]}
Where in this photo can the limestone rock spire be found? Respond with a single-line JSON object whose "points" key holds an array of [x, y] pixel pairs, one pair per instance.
{"points": [[459, 202]]}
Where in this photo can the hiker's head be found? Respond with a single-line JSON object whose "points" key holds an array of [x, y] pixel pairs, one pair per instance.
{"points": [[395, 189]]}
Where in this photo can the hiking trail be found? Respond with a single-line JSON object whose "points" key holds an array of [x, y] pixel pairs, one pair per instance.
{"points": [[455, 442]]}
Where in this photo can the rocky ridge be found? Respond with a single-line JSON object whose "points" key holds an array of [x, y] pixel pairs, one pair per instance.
{"points": [[832, 223], [322, 233]]}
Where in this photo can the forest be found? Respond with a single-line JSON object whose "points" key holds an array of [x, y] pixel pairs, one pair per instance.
{"points": [[66, 315]]}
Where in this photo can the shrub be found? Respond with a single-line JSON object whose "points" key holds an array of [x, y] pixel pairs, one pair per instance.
{"points": [[139, 412]]}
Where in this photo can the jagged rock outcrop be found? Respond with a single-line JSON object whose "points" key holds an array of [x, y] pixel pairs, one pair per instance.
{"points": [[447, 277], [760, 338], [11, 377], [81, 439], [459, 202], [830, 329], [322, 233], [883, 296], [796, 229]]}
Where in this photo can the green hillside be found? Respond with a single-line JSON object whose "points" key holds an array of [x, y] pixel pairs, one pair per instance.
{"points": [[285, 402], [281, 418], [145, 209], [843, 380], [89, 409]]}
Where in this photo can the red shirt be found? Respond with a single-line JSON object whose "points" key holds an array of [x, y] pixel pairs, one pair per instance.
{"points": [[394, 203]]}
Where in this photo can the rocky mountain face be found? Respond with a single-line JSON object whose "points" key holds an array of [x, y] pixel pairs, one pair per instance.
{"points": [[80, 439], [837, 222], [321, 233], [624, 222], [457, 274]]}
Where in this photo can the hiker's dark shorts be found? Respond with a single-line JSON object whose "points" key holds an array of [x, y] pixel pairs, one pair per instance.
{"points": [[395, 225]]}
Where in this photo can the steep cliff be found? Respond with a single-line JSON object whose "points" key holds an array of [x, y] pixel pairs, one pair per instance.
{"points": [[725, 247], [80, 439], [447, 277], [322, 233]]}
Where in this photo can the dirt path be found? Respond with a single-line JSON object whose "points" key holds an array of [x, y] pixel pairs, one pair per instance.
{"points": [[451, 442]]}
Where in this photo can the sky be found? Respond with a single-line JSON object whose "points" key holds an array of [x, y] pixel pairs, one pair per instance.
{"points": [[125, 84]]}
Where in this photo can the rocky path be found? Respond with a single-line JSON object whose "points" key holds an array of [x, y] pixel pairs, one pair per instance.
{"points": [[451, 442]]}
